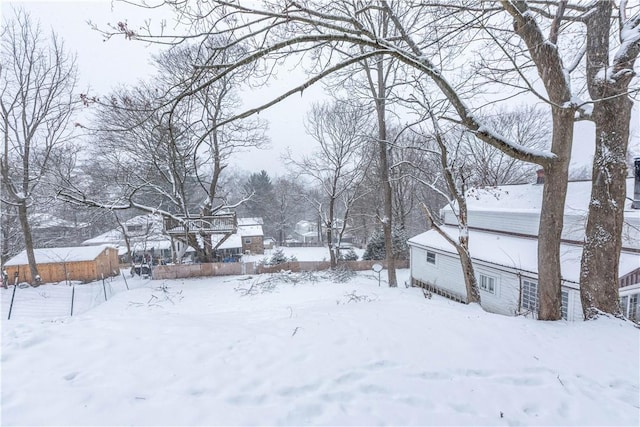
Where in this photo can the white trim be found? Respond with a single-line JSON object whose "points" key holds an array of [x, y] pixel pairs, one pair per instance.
{"points": [[493, 282]]}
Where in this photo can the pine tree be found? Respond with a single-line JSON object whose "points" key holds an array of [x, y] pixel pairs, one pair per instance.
{"points": [[260, 205], [375, 248]]}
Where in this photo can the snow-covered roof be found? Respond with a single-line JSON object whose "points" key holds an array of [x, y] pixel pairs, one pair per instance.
{"points": [[250, 221], [233, 242], [57, 255], [250, 230], [528, 197], [112, 236], [152, 227], [515, 252]]}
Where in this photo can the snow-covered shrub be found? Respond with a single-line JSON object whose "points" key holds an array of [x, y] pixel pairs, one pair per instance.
{"points": [[341, 274], [278, 257], [349, 255]]}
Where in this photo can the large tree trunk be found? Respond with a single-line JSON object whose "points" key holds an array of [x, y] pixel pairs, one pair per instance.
{"points": [[608, 87], [599, 269], [552, 217], [28, 242], [544, 53]]}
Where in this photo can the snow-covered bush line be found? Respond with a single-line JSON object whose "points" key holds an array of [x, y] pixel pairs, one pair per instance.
{"points": [[278, 257]]}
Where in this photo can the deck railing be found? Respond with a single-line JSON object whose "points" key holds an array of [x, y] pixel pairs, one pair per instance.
{"points": [[213, 224]]}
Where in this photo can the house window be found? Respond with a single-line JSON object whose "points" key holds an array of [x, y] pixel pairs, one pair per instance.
{"points": [[633, 307], [529, 296], [247, 241], [488, 283], [431, 257]]}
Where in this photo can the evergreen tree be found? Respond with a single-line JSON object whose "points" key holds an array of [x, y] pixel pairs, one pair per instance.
{"points": [[261, 203], [375, 248]]}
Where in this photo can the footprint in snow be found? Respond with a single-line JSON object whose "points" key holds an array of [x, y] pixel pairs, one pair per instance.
{"points": [[70, 376]]}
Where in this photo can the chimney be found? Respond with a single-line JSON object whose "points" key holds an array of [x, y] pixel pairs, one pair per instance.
{"points": [[540, 177], [636, 188]]}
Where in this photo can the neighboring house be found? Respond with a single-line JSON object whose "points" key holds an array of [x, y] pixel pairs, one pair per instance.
{"points": [[248, 239], [250, 229], [58, 264], [306, 233], [146, 238], [503, 230], [231, 249], [50, 231], [269, 242]]}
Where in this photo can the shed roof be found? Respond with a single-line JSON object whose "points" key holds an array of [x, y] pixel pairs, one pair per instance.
{"points": [[515, 252], [58, 255]]}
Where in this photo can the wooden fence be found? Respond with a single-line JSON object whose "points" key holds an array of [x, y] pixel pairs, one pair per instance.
{"points": [[183, 271]]}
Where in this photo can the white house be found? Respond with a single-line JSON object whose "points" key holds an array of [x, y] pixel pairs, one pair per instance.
{"points": [[503, 229], [306, 232]]}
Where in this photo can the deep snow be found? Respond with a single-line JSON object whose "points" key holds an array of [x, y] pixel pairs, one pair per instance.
{"points": [[207, 352]]}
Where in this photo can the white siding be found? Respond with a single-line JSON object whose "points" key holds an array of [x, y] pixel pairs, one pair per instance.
{"points": [[521, 222], [527, 223], [445, 274], [505, 299]]}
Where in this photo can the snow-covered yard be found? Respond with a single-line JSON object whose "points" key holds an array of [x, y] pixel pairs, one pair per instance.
{"points": [[217, 351], [309, 253]]}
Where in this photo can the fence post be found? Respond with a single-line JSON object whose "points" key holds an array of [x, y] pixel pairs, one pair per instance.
{"points": [[125, 281], [104, 288], [73, 294], [15, 286]]}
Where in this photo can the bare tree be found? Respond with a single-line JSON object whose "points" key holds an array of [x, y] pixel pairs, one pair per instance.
{"points": [[339, 166], [457, 186], [528, 50], [166, 149], [37, 80], [488, 166]]}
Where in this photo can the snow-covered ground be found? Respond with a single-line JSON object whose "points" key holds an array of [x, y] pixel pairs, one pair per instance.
{"points": [[302, 254], [234, 351]]}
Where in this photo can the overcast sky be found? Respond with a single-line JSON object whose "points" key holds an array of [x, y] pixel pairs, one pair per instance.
{"points": [[104, 65]]}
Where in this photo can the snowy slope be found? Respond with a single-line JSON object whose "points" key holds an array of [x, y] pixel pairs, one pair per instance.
{"points": [[203, 352]]}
